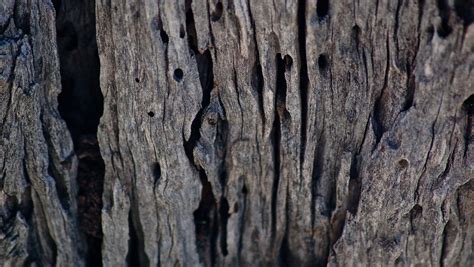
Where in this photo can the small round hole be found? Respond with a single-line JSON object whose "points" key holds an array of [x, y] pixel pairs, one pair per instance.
{"points": [[178, 75], [217, 13], [151, 114], [403, 163], [137, 80]]}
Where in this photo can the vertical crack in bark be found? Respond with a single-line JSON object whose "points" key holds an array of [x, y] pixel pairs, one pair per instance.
{"points": [[204, 220], [415, 215], [205, 68], [136, 254], [304, 81], [428, 155], [443, 29], [465, 10], [244, 194], [322, 9], [397, 23], [276, 134], [257, 79], [223, 218], [205, 216], [316, 173], [378, 125], [190, 27], [449, 236], [354, 187], [411, 84], [81, 104], [284, 254], [21, 18], [468, 106], [258, 84], [223, 212]]}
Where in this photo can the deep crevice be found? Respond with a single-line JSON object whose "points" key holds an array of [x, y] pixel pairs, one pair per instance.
{"points": [[56, 4], [356, 32], [206, 77], [182, 31], [136, 255], [285, 253], [443, 29], [204, 221], [449, 236], [468, 107], [415, 215], [322, 9], [223, 218], [304, 80], [280, 108], [206, 215], [191, 27], [323, 63], [156, 173], [411, 85], [21, 17], [465, 10], [396, 26], [318, 164], [258, 82], [354, 186], [276, 139], [217, 13], [81, 104], [258, 85], [132, 257], [378, 125], [244, 195]]}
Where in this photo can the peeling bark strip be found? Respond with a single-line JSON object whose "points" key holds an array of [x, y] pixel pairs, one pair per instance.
{"points": [[309, 132]]}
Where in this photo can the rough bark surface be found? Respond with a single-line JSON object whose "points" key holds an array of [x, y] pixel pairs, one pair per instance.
{"points": [[38, 166], [308, 132]]}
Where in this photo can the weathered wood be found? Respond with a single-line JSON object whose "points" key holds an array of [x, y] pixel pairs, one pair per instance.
{"points": [[37, 162], [308, 132]]}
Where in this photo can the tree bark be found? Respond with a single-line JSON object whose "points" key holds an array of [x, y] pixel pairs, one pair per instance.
{"points": [[38, 166], [308, 132]]}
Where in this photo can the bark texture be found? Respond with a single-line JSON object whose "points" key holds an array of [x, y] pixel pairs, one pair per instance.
{"points": [[38, 166], [251, 133]]}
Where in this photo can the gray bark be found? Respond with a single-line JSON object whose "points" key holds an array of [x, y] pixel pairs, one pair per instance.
{"points": [[38, 166], [308, 132]]}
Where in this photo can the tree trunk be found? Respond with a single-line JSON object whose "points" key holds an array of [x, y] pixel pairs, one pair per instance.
{"points": [[38, 166], [280, 133]]}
